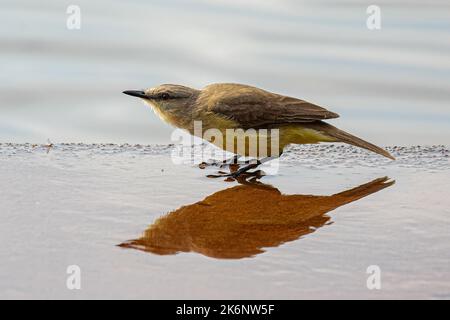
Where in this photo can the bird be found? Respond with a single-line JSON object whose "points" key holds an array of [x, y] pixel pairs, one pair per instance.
{"points": [[241, 221], [233, 106]]}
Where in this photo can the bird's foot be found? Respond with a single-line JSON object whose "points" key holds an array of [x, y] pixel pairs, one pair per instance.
{"points": [[236, 176], [237, 172], [235, 163], [210, 163], [221, 164], [204, 164]]}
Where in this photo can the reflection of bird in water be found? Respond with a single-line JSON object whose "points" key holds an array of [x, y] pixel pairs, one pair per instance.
{"points": [[238, 222]]}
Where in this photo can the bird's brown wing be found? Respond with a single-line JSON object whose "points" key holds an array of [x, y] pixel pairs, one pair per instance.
{"points": [[255, 108]]}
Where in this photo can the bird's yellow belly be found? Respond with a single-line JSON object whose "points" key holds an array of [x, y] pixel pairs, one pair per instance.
{"points": [[297, 134], [264, 143]]}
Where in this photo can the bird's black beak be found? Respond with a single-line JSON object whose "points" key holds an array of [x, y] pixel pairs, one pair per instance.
{"points": [[136, 93]]}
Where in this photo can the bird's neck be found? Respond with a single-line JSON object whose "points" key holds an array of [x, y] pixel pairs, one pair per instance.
{"points": [[180, 117]]}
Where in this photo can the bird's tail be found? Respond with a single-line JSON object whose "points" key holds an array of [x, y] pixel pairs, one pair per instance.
{"points": [[342, 136], [363, 190]]}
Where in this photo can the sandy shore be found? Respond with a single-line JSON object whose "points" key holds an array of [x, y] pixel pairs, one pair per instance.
{"points": [[140, 226]]}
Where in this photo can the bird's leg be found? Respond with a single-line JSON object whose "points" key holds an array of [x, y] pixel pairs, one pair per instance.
{"points": [[242, 170], [245, 169], [235, 161], [251, 166], [232, 160], [220, 164]]}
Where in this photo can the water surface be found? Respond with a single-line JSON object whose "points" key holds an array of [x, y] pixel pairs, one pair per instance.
{"points": [[327, 215], [390, 86]]}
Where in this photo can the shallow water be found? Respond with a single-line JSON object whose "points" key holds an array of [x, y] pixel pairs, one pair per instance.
{"points": [[390, 86], [75, 204]]}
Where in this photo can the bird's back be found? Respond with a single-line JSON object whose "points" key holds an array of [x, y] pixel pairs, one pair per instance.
{"points": [[252, 107]]}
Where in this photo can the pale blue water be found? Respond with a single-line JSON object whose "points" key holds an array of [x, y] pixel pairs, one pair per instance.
{"points": [[390, 86]]}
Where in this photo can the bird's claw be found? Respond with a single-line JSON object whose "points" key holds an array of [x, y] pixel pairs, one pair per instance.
{"points": [[204, 164], [237, 175], [221, 175], [220, 164]]}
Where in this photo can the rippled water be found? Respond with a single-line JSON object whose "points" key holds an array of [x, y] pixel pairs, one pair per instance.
{"points": [[390, 86], [140, 226]]}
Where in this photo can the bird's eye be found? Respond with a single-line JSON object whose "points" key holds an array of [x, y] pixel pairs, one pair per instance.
{"points": [[165, 96]]}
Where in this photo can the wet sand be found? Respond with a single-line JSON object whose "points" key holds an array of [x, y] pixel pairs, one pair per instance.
{"points": [[140, 226]]}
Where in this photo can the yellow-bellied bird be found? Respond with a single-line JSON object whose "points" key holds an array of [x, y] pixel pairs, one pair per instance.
{"points": [[225, 106]]}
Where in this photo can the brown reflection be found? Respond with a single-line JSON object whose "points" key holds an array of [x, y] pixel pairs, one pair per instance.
{"points": [[240, 221]]}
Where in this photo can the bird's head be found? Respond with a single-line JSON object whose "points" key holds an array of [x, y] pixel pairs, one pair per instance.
{"points": [[166, 97]]}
